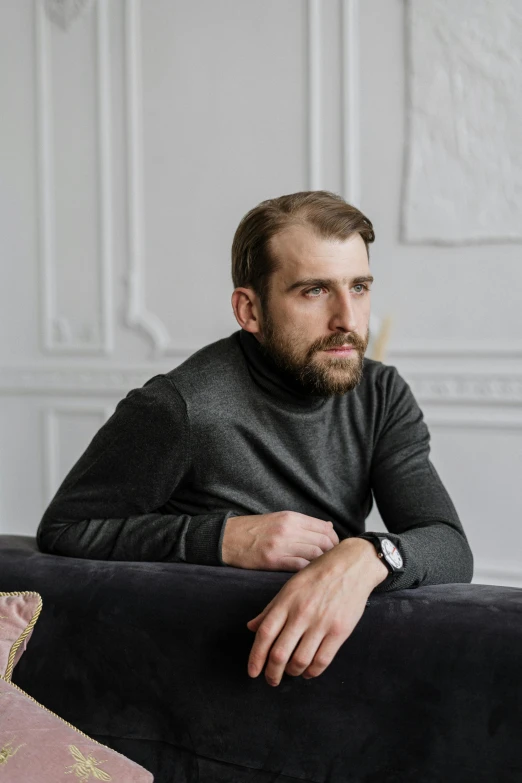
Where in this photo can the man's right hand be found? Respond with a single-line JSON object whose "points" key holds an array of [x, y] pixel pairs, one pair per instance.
{"points": [[280, 541]]}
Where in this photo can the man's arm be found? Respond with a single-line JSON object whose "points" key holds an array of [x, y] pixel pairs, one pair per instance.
{"points": [[302, 628], [411, 498], [107, 508]]}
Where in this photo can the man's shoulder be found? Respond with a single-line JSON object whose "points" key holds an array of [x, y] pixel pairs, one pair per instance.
{"points": [[382, 389], [388, 395], [380, 376], [201, 380], [213, 369]]}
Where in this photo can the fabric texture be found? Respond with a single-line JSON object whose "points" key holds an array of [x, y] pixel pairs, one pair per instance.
{"points": [[151, 660], [227, 433], [35, 744], [18, 614]]}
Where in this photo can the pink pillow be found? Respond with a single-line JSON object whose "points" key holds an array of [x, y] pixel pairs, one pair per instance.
{"points": [[36, 744], [18, 614]]}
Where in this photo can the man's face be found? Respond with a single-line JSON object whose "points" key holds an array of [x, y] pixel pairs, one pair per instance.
{"points": [[319, 300]]}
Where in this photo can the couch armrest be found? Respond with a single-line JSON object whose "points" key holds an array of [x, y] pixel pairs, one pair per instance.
{"points": [[427, 688]]}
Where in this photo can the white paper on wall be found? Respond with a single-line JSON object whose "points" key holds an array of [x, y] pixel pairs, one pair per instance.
{"points": [[463, 157]]}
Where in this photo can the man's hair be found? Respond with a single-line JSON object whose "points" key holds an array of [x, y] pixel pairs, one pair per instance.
{"points": [[327, 214]]}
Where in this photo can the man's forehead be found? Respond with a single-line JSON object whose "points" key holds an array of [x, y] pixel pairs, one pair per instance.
{"points": [[301, 252], [302, 239]]}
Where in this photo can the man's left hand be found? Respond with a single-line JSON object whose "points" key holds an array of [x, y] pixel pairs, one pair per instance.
{"points": [[305, 624]]}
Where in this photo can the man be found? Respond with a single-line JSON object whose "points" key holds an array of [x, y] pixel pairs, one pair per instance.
{"points": [[262, 450]]}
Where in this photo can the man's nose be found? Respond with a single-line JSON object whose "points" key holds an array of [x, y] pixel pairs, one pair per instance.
{"points": [[343, 314]]}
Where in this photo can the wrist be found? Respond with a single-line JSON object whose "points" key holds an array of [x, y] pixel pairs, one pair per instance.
{"points": [[373, 570], [227, 550]]}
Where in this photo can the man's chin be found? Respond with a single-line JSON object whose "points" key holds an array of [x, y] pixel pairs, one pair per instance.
{"points": [[335, 381]]}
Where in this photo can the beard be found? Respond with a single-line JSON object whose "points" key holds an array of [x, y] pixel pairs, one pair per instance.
{"points": [[323, 378]]}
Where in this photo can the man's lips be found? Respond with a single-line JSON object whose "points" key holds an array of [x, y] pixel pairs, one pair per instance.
{"points": [[340, 349]]}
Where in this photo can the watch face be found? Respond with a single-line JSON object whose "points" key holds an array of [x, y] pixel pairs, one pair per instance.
{"points": [[391, 553]]}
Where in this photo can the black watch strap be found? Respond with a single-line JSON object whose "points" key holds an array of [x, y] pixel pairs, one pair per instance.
{"points": [[387, 551]]}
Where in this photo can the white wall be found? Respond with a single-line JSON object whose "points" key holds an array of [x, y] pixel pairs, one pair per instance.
{"points": [[133, 140]]}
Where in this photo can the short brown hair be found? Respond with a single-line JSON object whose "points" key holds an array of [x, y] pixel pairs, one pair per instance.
{"points": [[328, 214]]}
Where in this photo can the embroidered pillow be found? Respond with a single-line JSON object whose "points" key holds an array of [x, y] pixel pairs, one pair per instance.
{"points": [[36, 744], [18, 614]]}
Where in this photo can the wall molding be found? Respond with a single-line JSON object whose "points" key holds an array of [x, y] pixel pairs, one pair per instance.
{"points": [[473, 421], [137, 316], [461, 349], [487, 390], [74, 381], [65, 13], [466, 387], [56, 329], [314, 106], [350, 103]]}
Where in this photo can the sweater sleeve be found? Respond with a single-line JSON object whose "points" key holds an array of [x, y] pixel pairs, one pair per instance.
{"points": [[412, 500], [109, 505]]}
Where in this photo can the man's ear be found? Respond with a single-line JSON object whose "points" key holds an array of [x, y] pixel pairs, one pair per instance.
{"points": [[247, 309]]}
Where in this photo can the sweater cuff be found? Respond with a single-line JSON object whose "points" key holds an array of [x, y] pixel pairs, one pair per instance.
{"points": [[394, 581], [204, 540]]}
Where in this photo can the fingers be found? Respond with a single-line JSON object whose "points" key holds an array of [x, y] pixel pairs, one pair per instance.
{"points": [[309, 551], [324, 655], [302, 553], [333, 535], [309, 655], [321, 526], [255, 622], [304, 653], [266, 633], [281, 652], [289, 563], [321, 541]]}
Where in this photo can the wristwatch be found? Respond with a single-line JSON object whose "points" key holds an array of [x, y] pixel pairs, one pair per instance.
{"points": [[387, 551]]}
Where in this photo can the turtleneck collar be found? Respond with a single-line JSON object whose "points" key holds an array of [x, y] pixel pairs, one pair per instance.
{"points": [[278, 383]]}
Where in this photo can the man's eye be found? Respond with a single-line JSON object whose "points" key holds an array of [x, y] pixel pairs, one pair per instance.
{"points": [[363, 286]]}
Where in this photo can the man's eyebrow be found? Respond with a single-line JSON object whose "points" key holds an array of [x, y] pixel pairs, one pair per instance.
{"points": [[318, 281]]}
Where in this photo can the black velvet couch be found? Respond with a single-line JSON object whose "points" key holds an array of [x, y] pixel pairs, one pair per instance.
{"points": [[151, 660]]}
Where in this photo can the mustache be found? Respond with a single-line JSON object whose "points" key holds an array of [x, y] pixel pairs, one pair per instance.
{"points": [[342, 341]]}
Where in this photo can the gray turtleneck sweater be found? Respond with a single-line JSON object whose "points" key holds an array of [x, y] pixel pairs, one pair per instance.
{"points": [[227, 433]]}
